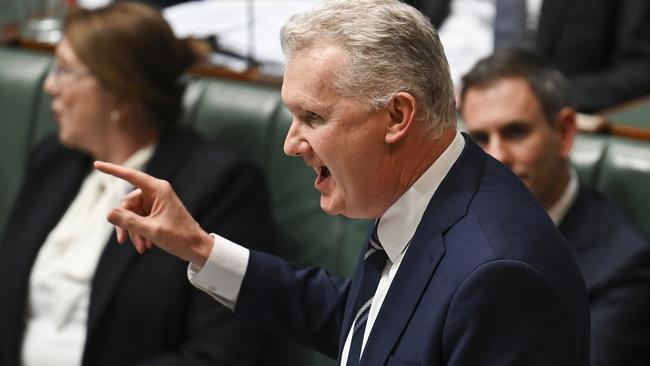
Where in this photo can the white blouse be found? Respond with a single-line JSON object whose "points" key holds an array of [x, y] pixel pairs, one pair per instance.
{"points": [[59, 285]]}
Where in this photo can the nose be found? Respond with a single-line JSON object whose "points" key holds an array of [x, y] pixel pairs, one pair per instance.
{"points": [[50, 85], [500, 151], [295, 144]]}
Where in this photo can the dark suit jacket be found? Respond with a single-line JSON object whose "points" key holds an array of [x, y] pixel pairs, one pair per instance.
{"points": [[615, 261], [142, 308], [486, 280], [602, 46]]}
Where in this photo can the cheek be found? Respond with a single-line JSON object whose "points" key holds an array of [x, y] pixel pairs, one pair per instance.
{"points": [[73, 104], [540, 166], [83, 119], [531, 152]]}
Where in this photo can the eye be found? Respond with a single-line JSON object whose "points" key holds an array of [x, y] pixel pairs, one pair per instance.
{"points": [[311, 117], [515, 131]]}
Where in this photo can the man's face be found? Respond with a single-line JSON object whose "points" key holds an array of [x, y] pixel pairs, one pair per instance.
{"points": [[507, 120], [335, 135]]}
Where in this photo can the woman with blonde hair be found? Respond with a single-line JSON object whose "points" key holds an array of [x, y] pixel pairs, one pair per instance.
{"points": [[69, 295]]}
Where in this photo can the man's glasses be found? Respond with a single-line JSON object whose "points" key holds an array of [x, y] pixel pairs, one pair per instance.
{"points": [[64, 75]]}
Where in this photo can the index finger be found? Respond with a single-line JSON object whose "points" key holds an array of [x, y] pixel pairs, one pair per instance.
{"points": [[137, 178]]}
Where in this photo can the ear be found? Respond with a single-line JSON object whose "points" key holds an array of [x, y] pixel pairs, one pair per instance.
{"points": [[565, 127], [401, 111], [126, 106]]}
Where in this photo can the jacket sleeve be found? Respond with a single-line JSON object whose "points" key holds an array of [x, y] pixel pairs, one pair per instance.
{"points": [[307, 304]]}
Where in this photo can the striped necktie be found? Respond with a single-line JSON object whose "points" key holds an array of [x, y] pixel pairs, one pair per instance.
{"points": [[373, 265]]}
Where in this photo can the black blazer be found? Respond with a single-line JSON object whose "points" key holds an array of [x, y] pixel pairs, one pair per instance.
{"points": [[487, 280], [142, 308], [615, 261], [602, 46]]}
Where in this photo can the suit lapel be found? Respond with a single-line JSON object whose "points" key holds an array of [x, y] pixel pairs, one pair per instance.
{"points": [[448, 205], [57, 193], [403, 296], [116, 259]]}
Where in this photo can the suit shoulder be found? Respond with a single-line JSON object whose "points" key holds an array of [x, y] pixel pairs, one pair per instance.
{"points": [[505, 222], [595, 219], [510, 219]]}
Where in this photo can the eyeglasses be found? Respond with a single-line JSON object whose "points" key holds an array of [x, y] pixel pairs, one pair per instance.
{"points": [[64, 75]]}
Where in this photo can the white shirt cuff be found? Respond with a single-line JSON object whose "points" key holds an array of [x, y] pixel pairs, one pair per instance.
{"points": [[222, 275]]}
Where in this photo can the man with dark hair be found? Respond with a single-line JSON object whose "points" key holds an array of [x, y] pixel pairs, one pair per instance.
{"points": [[602, 46], [516, 107]]}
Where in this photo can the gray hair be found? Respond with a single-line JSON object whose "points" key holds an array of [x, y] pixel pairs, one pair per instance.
{"points": [[391, 47]]}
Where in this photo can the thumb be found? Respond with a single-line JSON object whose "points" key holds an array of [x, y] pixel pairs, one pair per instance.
{"points": [[131, 222]]}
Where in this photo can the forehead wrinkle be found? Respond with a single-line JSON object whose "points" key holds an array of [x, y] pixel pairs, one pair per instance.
{"points": [[308, 80], [301, 101]]}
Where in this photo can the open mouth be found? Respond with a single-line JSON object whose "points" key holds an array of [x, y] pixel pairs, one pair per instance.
{"points": [[322, 174]]}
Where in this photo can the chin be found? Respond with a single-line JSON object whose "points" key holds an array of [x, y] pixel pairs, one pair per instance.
{"points": [[64, 138], [330, 207], [329, 210], [68, 141]]}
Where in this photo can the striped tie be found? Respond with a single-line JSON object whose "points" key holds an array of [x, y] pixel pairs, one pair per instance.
{"points": [[373, 266]]}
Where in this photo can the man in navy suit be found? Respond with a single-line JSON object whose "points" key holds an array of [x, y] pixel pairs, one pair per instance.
{"points": [[602, 46], [466, 267], [516, 107]]}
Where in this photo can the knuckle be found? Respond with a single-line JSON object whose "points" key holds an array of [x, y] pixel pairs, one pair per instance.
{"points": [[130, 221], [166, 185]]}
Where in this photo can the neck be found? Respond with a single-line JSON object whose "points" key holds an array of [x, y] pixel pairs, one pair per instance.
{"points": [[424, 154], [121, 143], [554, 195], [416, 157]]}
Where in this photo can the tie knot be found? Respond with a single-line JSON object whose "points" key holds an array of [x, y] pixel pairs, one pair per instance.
{"points": [[374, 245]]}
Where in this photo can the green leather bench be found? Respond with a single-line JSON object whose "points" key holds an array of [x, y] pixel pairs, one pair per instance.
{"points": [[8, 12], [251, 120], [246, 118], [619, 168], [21, 77]]}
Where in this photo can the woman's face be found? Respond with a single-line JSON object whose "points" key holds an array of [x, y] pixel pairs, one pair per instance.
{"points": [[81, 105]]}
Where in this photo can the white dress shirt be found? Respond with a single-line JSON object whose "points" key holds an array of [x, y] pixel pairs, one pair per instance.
{"points": [[59, 285], [222, 275], [468, 33], [559, 210]]}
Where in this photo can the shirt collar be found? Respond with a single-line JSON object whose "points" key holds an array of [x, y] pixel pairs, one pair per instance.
{"points": [[398, 224], [559, 210]]}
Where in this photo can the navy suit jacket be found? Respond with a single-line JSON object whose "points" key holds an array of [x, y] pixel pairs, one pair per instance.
{"points": [[486, 280], [602, 46], [142, 308], [614, 259]]}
